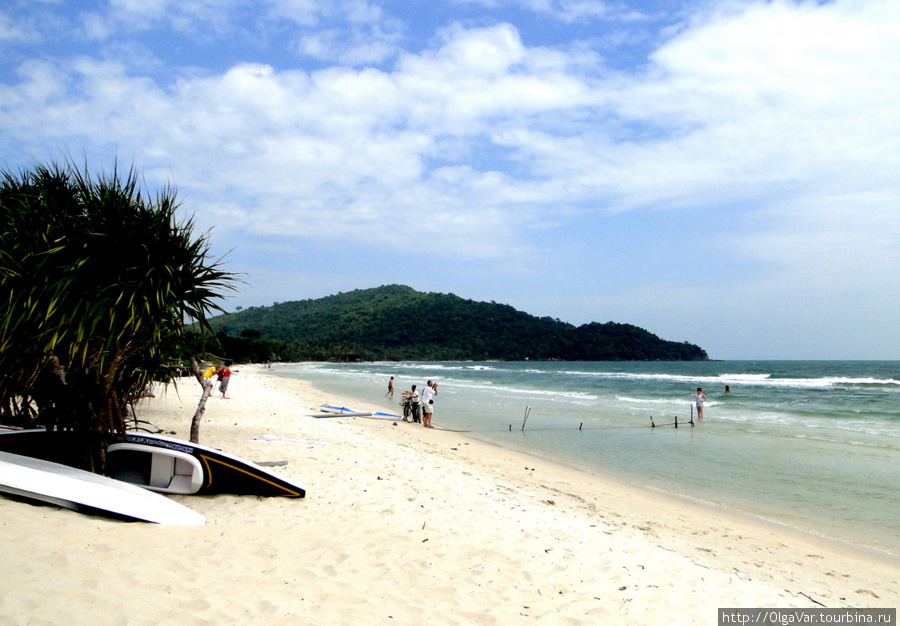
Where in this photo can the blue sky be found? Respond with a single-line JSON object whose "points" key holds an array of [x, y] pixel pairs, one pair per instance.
{"points": [[719, 172]]}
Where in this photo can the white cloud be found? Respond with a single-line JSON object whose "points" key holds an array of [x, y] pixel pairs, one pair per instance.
{"points": [[570, 10], [146, 9], [347, 32], [216, 18], [13, 30], [355, 49], [722, 104], [26, 23], [841, 245], [303, 12], [730, 111], [566, 11]]}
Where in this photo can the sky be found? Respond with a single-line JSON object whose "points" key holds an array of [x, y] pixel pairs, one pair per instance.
{"points": [[722, 172]]}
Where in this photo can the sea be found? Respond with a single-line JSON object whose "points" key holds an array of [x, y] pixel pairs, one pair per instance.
{"points": [[809, 445]]}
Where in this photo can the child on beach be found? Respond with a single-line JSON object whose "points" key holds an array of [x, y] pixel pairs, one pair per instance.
{"points": [[701, 398]]}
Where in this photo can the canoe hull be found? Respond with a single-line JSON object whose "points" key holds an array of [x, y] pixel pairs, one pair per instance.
{"points": [[61, 485], [212, 472], [159, 463]]}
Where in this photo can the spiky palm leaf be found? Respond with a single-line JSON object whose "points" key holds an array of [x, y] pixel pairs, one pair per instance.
{"points": [[94, 272]]}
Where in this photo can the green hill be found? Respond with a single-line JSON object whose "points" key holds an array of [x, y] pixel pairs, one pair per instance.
{"points": [[398, 323], [395, 322]]}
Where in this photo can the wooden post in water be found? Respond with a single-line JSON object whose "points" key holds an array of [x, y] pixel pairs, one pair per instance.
{"points": [[527, 413]]}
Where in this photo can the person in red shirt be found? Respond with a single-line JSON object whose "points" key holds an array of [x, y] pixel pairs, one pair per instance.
{"points": [[224, 376]]}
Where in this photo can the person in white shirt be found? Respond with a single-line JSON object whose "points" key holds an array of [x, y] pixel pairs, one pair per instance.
{"points": [[428, 403], [414, 404]]}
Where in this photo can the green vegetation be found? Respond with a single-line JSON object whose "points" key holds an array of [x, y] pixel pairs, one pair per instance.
{"points": [[398, 323], [97, 282]]}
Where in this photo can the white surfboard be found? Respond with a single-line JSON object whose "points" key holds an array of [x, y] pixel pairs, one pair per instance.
{"points": [[74, 488]]}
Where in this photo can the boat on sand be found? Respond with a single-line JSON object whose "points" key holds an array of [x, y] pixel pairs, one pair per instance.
{"points": [[159, 463], [54, 483]]}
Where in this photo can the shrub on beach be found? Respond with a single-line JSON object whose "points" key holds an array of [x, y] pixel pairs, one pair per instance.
{"points": [[97, 283]]}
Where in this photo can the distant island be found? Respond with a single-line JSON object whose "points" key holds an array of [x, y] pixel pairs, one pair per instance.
{"points": [[398, 323]]}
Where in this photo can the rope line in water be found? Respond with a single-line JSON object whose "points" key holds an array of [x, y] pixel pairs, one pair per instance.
{"points": [[676, 424]]}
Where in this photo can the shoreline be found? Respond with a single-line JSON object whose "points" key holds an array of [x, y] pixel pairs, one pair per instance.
{"points": [[405, 525], [675, 498], [670, 498], [816, 528]]}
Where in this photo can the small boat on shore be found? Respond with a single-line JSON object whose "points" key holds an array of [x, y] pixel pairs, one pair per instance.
{"points": [[172, 465], [159, 463], [61, 485]]}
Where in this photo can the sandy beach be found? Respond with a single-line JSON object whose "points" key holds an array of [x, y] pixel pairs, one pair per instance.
{"points": [[407, 525]]}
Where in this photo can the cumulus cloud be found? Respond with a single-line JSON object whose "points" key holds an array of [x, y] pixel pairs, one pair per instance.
{"points": [[566, 11], [570, 10], [346, 32], [14, 31], [191, 17], [770, 96]]}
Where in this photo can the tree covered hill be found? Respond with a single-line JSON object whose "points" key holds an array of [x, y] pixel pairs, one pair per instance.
{"points": [[396, 322]]}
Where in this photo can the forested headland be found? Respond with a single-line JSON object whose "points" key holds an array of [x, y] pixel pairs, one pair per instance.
{"points": [[398, 323]]}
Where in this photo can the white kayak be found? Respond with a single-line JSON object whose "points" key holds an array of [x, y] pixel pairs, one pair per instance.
{"points": [[77, 489]]}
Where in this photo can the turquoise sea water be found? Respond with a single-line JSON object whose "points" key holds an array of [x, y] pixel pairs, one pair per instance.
{"points": [[812, 445]]}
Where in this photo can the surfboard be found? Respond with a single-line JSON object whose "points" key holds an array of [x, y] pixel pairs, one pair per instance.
{"points": [[336, 409], [388, 417], [83, 491]]}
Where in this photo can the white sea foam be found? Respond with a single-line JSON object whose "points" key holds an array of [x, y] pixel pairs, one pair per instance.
{"points": [[743, 379]]}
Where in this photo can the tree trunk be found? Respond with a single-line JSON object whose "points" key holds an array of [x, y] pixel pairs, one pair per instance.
{"points": [[207, 385]]}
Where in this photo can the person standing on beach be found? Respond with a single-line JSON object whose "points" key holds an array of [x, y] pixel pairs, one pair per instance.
{"points": [[428, 404], [414, 404], [224, 378], [701, 398], [390, 391]]}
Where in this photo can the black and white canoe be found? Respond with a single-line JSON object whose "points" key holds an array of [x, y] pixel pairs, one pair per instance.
{"points": [[160, 463], [170, 465]]}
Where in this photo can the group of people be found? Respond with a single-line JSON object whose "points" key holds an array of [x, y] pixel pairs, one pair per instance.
{"points": [[412, 403], [223, 377]]}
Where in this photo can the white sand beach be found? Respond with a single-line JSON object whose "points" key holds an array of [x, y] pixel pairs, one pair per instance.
{"points": [[407, 525]]}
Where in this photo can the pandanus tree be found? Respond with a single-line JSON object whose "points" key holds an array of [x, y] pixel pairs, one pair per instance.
{"points": [[98, 283]]}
